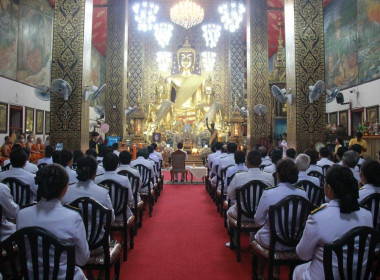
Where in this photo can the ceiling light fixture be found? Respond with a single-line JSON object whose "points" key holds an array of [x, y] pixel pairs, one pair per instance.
{"points": [[163, 33], [164, 60], [211, 33], [145, 15], [232, 15], [187, 14], [208, 60]]}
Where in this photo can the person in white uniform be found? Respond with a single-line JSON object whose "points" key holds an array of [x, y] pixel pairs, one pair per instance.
{"points": [[287, 175], [303, 164], [9, 211], [142, 156], [265, 159], [49, 150], [350, 159], [159, 155], [313, 154], [216, 162], [218, 150], [66, 160], [291, 154], [323, 157], [125, 161], [100, 170], [275, 156], [65, 223], [110, 163], [370, 177], [225, 161], [284, 144], [18, 161], [115, 148], [239, 166], [30, 167], [357, 148], [329, 222]]}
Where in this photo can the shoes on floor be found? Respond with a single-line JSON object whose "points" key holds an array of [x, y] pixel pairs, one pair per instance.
{"points": [[228, 244]]}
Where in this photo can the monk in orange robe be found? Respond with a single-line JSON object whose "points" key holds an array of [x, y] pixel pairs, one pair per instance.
{"points": [[6, 148], [41, 147], [35, 155]]}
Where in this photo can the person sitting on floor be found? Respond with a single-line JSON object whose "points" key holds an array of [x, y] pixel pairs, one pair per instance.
{"points": [[275, 156], [65, 223], [49, 150], [323, 157], [313, 154], [291, 154], [329, 222], [18, 161], [302, 164], [35, 155], [370, 178], [239, 166], [110, 164], [287, 176], [66, 160]]}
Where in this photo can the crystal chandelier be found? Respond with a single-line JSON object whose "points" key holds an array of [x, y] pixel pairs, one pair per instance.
{"points": [[208, 60], [187, 14], [145, 15], [211, 33], [232, 15], [163, 33], [164, 60]]}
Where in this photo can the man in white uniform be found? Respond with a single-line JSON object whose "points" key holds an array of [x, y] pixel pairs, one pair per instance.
{"points": [[9, 211], [323, 157], [275, 156], [142, 158], [49, 150], [302, 164], [265, 159], [66, 160], [350, 159]]}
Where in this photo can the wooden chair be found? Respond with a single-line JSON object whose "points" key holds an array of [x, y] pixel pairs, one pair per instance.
{"points": [[287, 220], [42, 249], [145, 176], [97, 218], [247, 200], [119, 199], [227, 204], [354, 248], [314, 193], [221, 194], [138, 207], [372, 203], [6, 167], [213, 188], [19, 191], [41, 165], [318, 175], [275, 178], [178, 165], [325, 168]]}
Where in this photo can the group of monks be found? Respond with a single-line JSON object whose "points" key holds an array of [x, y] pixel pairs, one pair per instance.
{"points": [[36, 148]]}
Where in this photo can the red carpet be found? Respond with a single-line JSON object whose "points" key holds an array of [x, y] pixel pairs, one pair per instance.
{"points": [[184, 239]]}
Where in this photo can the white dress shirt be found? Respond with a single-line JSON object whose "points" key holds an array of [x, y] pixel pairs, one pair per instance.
{"points": [[284, 146], [266, 161], [270, 168], [228, 160], [10, 210], [24, 176], [47, 160], [324, 161], [270, 197], [159, 155], [64, 223], [211, 158], [30, 167], [367, 190], [72, 175], [325, 226], [116, 152], [216, 162], [302, 175], [100, 170]]}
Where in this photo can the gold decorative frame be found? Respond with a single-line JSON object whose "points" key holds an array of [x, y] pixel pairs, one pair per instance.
{"points": [[47, 122], [39, 121], [3, 118], [343, 121], [372, 114], [29, 120]]}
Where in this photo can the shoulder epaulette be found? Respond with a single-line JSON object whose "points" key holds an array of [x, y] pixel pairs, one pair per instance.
{"points": [[300, 187], [135, 168], [73, 183], [103, 186], [68, 206], [228, 166], [242, 171], [360, 188], [269, 188], [318, 209]]}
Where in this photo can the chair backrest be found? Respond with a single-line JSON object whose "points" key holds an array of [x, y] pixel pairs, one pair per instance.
{"points": [[359, 166], [318, 175], [354, 251], [222, 177], [287, 220], [325, 168], [41, 165], [263, 166], [275, 178], [19, 191], [96, 219], [134, 180], [6, 167], [314, 193], [42, 249], [248, 197], [229, 179], [119, 197], [145, 175], [372, 203], [178, 161]]}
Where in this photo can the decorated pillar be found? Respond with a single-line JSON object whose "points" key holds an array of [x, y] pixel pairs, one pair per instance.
{"points": [[304, 67], [257, 69], [116, 65], [71, 61]]}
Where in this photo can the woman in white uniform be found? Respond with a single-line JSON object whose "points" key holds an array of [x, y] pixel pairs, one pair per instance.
{"points": [[329, 222], [370, 177], [66, 224]]}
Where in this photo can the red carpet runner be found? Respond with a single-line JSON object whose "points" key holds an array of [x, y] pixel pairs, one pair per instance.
{"points": [[184, 239]]}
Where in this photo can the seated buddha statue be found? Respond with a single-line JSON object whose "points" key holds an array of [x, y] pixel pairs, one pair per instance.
{"points": [[186, 89]]}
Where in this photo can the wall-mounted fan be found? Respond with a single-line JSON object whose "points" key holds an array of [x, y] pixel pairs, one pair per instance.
{"points": [[244, 111], [316, 91], [331, 95], [260, 109], [99, 110], [42, 92], [61, 88], [282, 95], [95, 91]]}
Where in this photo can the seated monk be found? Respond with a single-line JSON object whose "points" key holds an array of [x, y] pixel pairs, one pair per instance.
{"points": [[35, 155], [41, 147], [20, 140], [6, 148]]}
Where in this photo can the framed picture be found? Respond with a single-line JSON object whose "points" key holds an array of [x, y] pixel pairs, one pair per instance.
{"points": [[47, 122], [343, 121], [156, 137], [333, 119], [373, 114], [39, 122], [3, 118], [29, 120]]}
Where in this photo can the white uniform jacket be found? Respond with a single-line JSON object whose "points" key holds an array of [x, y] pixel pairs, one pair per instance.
{"points": [[216, 162], [270, 197], [324, 161], [25, 177], [325, 225], [367, 190], [9, 210], [30, 167], [266, 161], [47, 160], [270, 168], [228, 160], [72, 175], [302, 175], [64, 223], [211, 158]]}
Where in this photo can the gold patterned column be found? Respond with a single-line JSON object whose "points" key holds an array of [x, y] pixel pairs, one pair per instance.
{"points": [[116, 76], [304, 66], [257, 68], [71, 61]]}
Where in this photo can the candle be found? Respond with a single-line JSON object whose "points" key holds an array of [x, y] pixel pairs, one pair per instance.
{"points": [[134, 152]]}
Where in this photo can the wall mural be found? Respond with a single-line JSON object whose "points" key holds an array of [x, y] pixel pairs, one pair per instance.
{"points": [[352, 44], [26, 42], [98, 76]]}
